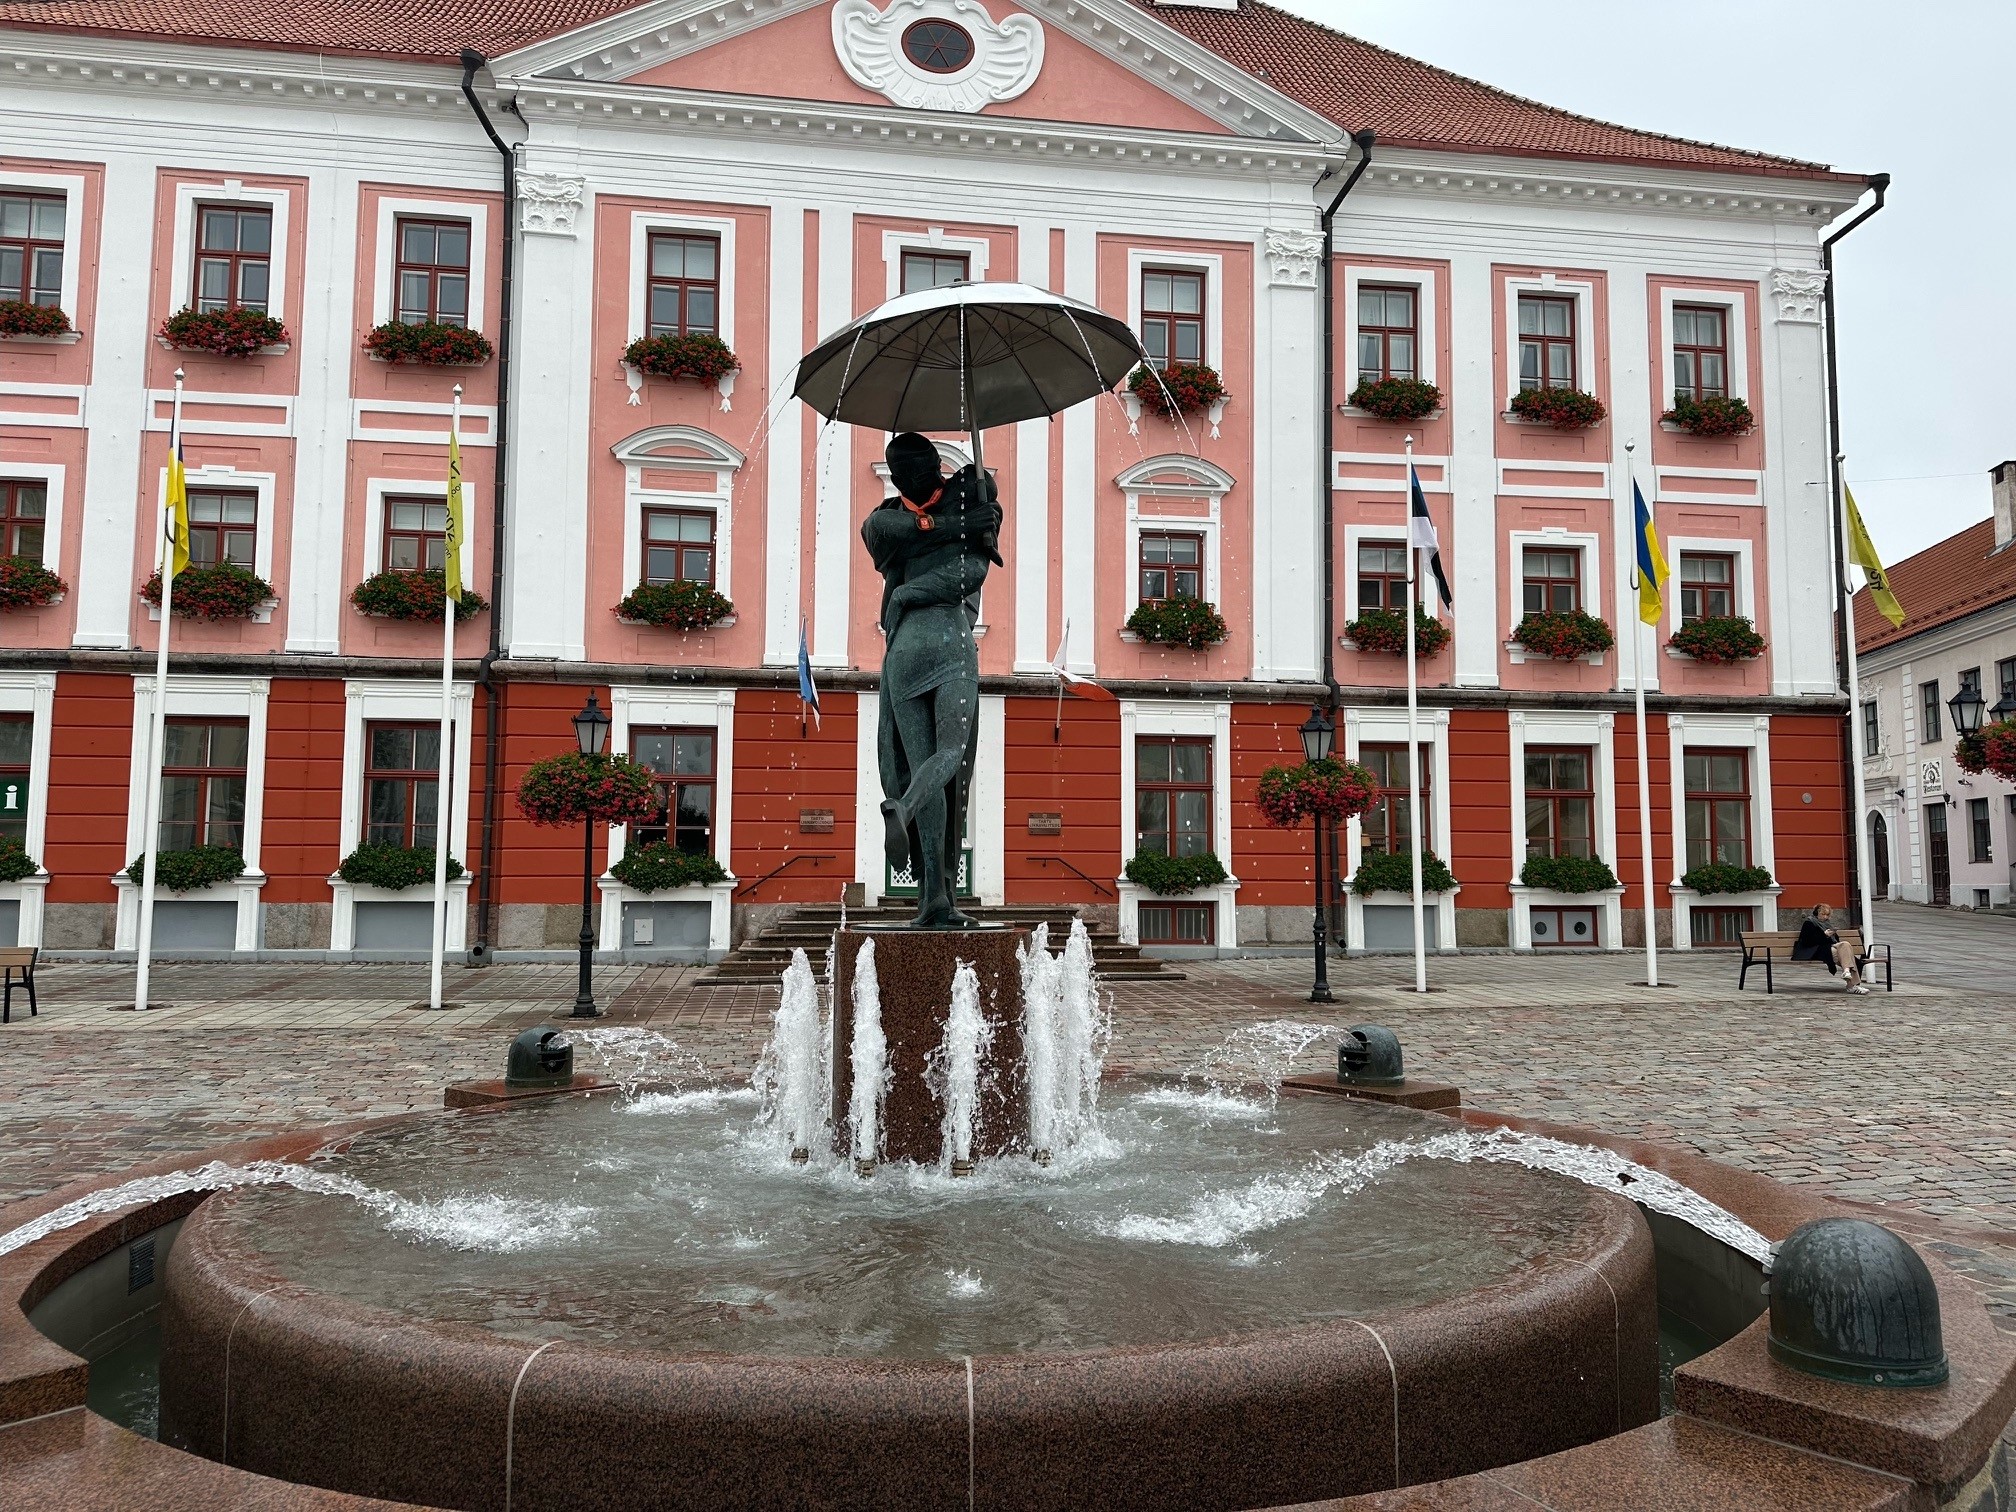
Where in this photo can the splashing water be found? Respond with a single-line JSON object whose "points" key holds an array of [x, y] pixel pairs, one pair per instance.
{"points": [[964, 1283], [790, 1072], [1259, 1055], [1041, 994], [637, 1058], [1084, 1025], [953, 1069], [869, 1049]]}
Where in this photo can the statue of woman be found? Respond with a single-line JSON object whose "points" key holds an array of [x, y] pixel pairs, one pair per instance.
{"points": [[932, 542]]}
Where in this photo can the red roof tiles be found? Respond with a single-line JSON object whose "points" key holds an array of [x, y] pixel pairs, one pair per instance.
{"points": [[1960, 576]]}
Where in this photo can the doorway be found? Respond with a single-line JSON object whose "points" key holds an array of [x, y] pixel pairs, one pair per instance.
{"points": [[1936, 855], [1879, 857]]}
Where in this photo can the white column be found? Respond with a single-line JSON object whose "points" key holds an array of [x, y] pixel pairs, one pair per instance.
{"points": [[835, 544], [1287, 541], [784, 464], [1081, 485], [989, 838], [1473, 385], [1030, 523], [1798, 578], [315, 589], [1630, 422]]}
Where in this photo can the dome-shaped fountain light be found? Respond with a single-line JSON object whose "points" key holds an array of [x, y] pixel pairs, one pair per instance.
{"points": [[540, 1058], [1369, 1056], [1850, 1301]]}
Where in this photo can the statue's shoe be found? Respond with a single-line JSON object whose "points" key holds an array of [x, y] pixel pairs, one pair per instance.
{"points": [[895, 838]]}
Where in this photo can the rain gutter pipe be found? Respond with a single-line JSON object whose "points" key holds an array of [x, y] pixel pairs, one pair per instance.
{"points": [[493, 695], [1844, 618], [1327, 402]]}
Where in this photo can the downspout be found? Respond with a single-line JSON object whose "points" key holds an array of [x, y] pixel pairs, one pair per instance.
{"points": [[493, 694], [1327, 402], [1844, 617]]}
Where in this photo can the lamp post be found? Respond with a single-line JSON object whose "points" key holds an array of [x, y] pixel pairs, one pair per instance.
{"points": [[591, 733], [1966, 707], [1317, 734]]}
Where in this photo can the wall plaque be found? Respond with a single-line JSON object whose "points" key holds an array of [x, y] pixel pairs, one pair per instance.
{"points": [[1046, 824], [815, 821]]}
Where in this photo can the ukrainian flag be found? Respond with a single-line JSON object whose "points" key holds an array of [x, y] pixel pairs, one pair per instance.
{"points": [[1652, 570]]}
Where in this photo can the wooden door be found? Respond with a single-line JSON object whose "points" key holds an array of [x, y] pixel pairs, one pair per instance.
{"points": [[1936, 854]]}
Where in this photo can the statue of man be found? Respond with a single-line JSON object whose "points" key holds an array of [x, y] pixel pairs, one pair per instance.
{"points": [[932, 543]]}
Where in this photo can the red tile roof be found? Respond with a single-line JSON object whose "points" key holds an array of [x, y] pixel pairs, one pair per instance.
{"points": [[1960, 576]]}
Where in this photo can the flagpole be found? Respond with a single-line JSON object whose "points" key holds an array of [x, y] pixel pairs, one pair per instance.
{"points": [[444, 763], [1644, 767], [1856, 753], [150, 835], [1414, 834]]}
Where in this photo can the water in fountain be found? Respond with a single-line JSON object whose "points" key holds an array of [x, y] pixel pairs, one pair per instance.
{"points": [[791, 1073], [869, 1056], [1258, 1057], [635, 1059], [1084, 1025], [1041, 1002], [955, 1068]]}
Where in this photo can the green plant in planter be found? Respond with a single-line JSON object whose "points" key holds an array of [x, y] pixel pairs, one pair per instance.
{"points": [[684, 605], [1396, 398], [429, 343], [702, 358], [393, 867], [412, 596], [223, 333], [1711, 415], [1720, 640], [220, 591], [1169, 875], [19, 319], [1720, 877], [1189, 622], [26, 584], [1563, 635], [15, 862], [1562, 408], [1386, 630], [1567, 874], [187, 870], [1182, 388], [1393, 871], [660, 866]]}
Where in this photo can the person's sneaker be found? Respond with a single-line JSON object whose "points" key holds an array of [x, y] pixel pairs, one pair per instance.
{"points": [[1858, 987]]}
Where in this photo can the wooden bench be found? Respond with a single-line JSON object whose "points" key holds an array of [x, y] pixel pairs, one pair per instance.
{"points": [[17, 969], [1761, 947]]}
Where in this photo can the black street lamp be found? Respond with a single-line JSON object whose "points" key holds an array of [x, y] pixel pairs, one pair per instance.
{"points": [[591, 733], [1317, 735], [1966, 707], [2003, 707]]}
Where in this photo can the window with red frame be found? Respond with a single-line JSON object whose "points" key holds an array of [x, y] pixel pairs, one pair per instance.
{"points": [[433, 271], [1552, 579], [1178, 923], [683, 297], [17, 743], [31, 248], [1560, 802], [234, 258], [933, 270], [1707, 585], [203, 765], [223, 527], [1383, 828], [1172, 316], [684, 762], [678, 545], [1719, 927], [1546, 341], [416, 534], [1718, 808], [402, 783], [1388, 332], [1382, 575], [1700, 351], [1172, 794], [24, 512], [1172, 565]]}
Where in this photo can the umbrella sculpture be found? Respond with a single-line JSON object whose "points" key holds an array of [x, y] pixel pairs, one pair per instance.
{"points": [[964, 357]]}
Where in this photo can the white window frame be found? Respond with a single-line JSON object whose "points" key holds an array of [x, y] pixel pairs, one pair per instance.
{"points": [[1381, 535], [1389, 727], [1143, 488], [1554, 538], [33, 694], [720, 460], [1723, 732], [51, 476], [1566, 727], [1745, 586], [384, 286], [1190, 719], [1583, 292], [1737, 303], [262, 484], [721, 228], [692, 708], [181, 273], [377, 490], [1426, 339], [1210, 264], [71, 187], [932, 241]]}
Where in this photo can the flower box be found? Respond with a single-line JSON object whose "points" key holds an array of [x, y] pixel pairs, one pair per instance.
{"points": [[393, 868], [1181, 389], [1566, 636], [1386, 630], [1719, 878], [1192, 623], [1396, 399], [221, 591], [1393, 872], [1169, 876], [1328, 789], [683, 605], [191, 870], [16, 865], [1718, 641], [1712, 415], [33, 322], [1562, 408], [661, 867], [224, 333], [26, 584], [1567, 874], [413, 596], [428, 343]]}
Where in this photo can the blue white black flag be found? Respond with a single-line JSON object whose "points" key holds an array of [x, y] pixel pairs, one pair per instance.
{"points": [[808, 692], [1421, 535]]}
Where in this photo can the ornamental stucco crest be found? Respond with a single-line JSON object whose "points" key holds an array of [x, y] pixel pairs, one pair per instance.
{"points": [[1006, 56], [1798, 292], [548, 202], [1291, 258]]}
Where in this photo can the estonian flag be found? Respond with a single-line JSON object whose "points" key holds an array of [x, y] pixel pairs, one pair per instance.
{"points": [[1652, 570], [808, 693], [1421, 535]]}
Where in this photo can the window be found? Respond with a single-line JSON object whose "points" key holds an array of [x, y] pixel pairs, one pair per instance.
{"points": [[17, 741], [1718, 926], [433, 272], [1172, 795], [402, 783], [1928, 705], [1560, 802], [1388, 333], [24, 506], [1718, 808], [938, 47], [684, 293], [1700, 351], [932, 270], [678, 545], [1546, 341], [223, 527], [31, 248], [1383, 828], [416, 534], [234, 250], [1553, 579], [1707, 585], [2005, 678], [203, 783], [1382, 575], [1178, 923], [1971, 678], [1172, 316], [1172, 565], [684, 762], [1979, 846], [1872, 729]]}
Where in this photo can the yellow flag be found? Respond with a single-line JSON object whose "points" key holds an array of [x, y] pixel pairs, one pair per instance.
{"points": [[1862, 552], [452, 544], [178, 513]]}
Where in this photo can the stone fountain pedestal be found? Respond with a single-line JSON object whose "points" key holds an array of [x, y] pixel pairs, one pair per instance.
{"points": [[914, 969]]}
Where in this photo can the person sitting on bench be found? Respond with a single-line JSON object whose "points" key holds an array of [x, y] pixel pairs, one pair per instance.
{"points": [[1820, 941]]}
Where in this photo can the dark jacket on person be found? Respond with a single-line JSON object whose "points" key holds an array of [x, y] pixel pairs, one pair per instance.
{"points": [[1816, 942]]}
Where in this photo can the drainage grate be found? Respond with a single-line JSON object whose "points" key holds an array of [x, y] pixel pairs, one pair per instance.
{"points": [[139, 1266]]}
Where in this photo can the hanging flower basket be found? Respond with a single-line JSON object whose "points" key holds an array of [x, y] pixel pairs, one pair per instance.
{"points": [[223, 333], [1170, 875], [1396, 398], [413, 596], [219, 592], [1997, 747], [1386, 630], [189, 870], [19, 319], [1713, 415], [659, 866], [1562, 408], [682, 605], [1567, 874], [704, 359], [26, 584], [1183, 388], [1565, 637], [574, 789], [1393, 871], [1720, 877], [1189, 622], [1970, 753], [1719, 641], [1330, 789], [393, 867], [15, 863], [429, 343]]}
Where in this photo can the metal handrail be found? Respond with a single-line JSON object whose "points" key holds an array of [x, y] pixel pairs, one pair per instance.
{"points": [[1097, 886], [750, 887]]}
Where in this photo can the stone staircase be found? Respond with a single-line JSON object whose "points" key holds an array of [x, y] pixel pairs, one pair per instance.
{"points": [[763, 957]]}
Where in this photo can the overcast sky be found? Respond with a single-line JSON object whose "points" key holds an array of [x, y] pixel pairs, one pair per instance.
{"points": [[1921, 91]]}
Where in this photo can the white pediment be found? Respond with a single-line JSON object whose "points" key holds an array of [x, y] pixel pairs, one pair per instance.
{"points": [[1004, 58]]}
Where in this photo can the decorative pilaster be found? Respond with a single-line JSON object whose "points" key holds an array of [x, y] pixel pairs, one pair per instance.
{"points": [[1797, 293], [1292, 257], [549, 202]]}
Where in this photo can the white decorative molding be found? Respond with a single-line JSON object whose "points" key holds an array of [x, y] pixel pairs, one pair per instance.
{"points": [[1292, 257], [548, 202], [1006, 56], [1798, 292]]}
